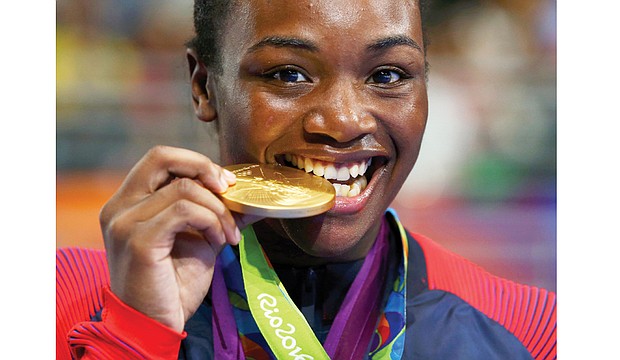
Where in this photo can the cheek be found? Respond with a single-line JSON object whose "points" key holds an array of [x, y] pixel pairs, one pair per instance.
{"points": [[408, 128], [269, 120], [249, 125], [263, 124]]}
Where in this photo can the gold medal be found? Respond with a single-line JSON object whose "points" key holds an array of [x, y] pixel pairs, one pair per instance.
{"points": [[278, 192]]}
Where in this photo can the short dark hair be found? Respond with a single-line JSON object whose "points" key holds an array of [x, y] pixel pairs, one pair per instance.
{"points": [[210, 18]]}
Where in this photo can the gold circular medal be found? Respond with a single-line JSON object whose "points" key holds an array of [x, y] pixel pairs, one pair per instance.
{"points": [[277, 191]]}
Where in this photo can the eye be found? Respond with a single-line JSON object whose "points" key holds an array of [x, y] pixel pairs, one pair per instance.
{"points": [[385, 76], [288, 76]]}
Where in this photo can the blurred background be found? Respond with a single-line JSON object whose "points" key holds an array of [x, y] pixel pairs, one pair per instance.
{"points": [[484, 185]]}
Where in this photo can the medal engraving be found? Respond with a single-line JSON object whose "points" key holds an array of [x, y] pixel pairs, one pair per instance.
{"points": [[277, 191]]}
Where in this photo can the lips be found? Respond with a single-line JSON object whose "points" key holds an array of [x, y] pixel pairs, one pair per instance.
{"points": [[348, 179]]}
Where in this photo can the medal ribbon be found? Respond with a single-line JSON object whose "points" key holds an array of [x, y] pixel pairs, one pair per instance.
{"points": [[283, 326], [285, 329], [225, 337]]}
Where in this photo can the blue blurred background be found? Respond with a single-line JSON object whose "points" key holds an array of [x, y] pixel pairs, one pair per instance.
{"points": [[485, 182]]}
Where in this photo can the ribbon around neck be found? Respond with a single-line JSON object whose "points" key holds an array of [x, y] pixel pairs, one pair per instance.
{"points": [[281, 323], [284, 327], [347, 338]]}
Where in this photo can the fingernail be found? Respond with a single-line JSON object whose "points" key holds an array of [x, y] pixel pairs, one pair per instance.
{"points": [[230, 176], [223, 182]]}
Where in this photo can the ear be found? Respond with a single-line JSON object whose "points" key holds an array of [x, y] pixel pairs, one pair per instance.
{"points": [[201, 99]]}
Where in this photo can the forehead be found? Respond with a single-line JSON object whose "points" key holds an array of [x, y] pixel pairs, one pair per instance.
{"points": [[322, 20], [332, 13]]}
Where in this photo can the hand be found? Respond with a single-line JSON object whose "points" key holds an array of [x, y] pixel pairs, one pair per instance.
{"points": [[163, 230]]}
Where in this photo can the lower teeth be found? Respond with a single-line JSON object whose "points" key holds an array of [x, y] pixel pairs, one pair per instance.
{"points": [[346, 190]]}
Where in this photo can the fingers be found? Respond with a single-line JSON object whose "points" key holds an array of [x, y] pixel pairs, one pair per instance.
{"points": [[159, 167], [175, 183], [185, 190], [162, 164], [159, 233]]}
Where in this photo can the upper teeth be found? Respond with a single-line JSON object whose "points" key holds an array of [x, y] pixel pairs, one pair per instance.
{"points": [[330, 171], [351, 173]]}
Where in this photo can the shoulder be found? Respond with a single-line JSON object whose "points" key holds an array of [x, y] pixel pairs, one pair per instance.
{"points": [[81, 275], [80, 266], [467, 305]]}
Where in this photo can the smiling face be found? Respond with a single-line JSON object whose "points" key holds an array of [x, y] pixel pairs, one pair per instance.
{"points": [[336, 88]]}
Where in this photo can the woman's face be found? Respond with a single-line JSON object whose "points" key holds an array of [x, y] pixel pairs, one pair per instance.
{"points": [[336, 86]]}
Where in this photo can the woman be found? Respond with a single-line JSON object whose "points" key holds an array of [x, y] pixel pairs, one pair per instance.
{"points": [[337, 88]]}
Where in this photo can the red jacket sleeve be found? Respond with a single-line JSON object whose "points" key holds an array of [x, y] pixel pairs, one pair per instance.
{"points": [[528, 312], [82, 290]]}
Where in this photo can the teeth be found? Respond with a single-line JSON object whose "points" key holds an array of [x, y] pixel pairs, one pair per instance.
{"points": [[362, 182], [352, 190], [343, 174], [319, 170], [354, 171], [308, 165], [355, 189], [330, 172], [363, 167]]}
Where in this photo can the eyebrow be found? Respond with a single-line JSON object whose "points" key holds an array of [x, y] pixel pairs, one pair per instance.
{"points": [[297, 43], [392, 41], [284, 42]]}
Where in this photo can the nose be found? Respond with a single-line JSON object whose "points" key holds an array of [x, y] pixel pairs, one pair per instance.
{"points": [[341, 115]]}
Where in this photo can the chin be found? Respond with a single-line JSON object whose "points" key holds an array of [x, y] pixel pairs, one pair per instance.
{"points": [[328, 236]]}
